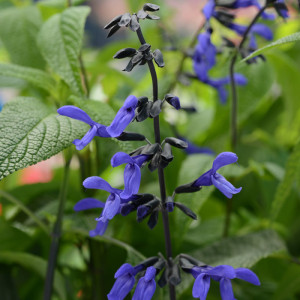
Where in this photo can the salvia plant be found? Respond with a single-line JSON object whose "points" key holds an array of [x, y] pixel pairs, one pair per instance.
{"points": [[108, 142]]}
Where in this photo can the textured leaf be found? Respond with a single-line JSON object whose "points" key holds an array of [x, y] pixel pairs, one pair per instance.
{"points": [[34, 76], [286, 184], [35, 264], [60, 41], [241, 251], [31, 132], [18, 31], [295, 37]]}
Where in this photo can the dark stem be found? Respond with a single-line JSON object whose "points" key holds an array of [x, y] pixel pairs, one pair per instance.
{"points": [[56, 235], [161, 176], [234, 106]]}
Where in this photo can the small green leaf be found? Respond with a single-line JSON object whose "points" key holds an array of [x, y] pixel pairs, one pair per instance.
{"points": [[242, 251], [285, 186], [60, 41], [34, 76], [31, 132], [295, 37], [35, 264], [19, 27]]}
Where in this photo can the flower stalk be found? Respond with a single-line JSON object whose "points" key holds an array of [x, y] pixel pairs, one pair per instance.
{"points": [[161, 177]]}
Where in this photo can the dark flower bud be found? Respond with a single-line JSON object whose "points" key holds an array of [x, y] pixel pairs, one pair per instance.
{"points": [[156, 108], [173, 100], [163, 280], [113, 22], [167, 153], [154, 162], [187, 188], [146, 150], [143, 112], [174, 276], [137, 58], [131, 136], [126, 52], [225, 18], [127, 208], [158, 58], [188, 262], [150, 7], [149, 262], [142, 14], [160, 264], [145, 47], [113, 30], [186, 210], [189, 109], [176, 142], [153, 17], [142, 100], [153, 219], [144, 210], [134, 24], [125, 19]]}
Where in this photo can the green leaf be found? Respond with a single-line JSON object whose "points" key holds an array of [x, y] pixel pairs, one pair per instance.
{"points": [[34, 76], [35, 264], [241, 251], [31, 132], [18, 31], [295, 37], [60, 41], [285, 186]]}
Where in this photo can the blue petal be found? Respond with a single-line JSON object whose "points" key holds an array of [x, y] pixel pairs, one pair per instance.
{"points": [[100, 228], [239, 29], [80, 144], [150, 274], [175, 102], [88, 203], [124, 269], [95, 182], [121, 158], [76, 113], [112, 206], [201, 286], [222, 271], [144, 290], [121, 287], [226, 289], [140, 159], [223, 159], [263, 30], [240, 79], [204, 180], [124, 116], [142, 211], [132, 180], [247, 275], [224, 186], [208, 9], [102, 131]]}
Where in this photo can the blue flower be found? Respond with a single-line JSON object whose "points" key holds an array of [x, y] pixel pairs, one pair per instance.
{"points": [[125, 281], [208, 9], [122, 119], [211, 177], [204, 59], [111, 206], [146, 286], [132, 172], [224, 274]]}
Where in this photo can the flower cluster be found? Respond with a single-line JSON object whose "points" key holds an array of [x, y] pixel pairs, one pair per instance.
{"points": [[205, 53], [159, 155]]}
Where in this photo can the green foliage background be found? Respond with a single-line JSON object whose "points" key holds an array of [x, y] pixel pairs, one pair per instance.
{"points": [[40, 48]]}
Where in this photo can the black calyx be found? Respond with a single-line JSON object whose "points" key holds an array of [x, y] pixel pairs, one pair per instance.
{"points": [[188, 262], [125, 20], [150, 150], [126, 52], [186, 210], [149, 208], [171, 274], [187, 188], [176, 142], [147, 109], [131, 136], [148, 7], [224, 17], [135, 202], [158, 58]]}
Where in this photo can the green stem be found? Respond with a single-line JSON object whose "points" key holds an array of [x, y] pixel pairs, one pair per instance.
{"points": [[56, 235], [27, 211]]}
